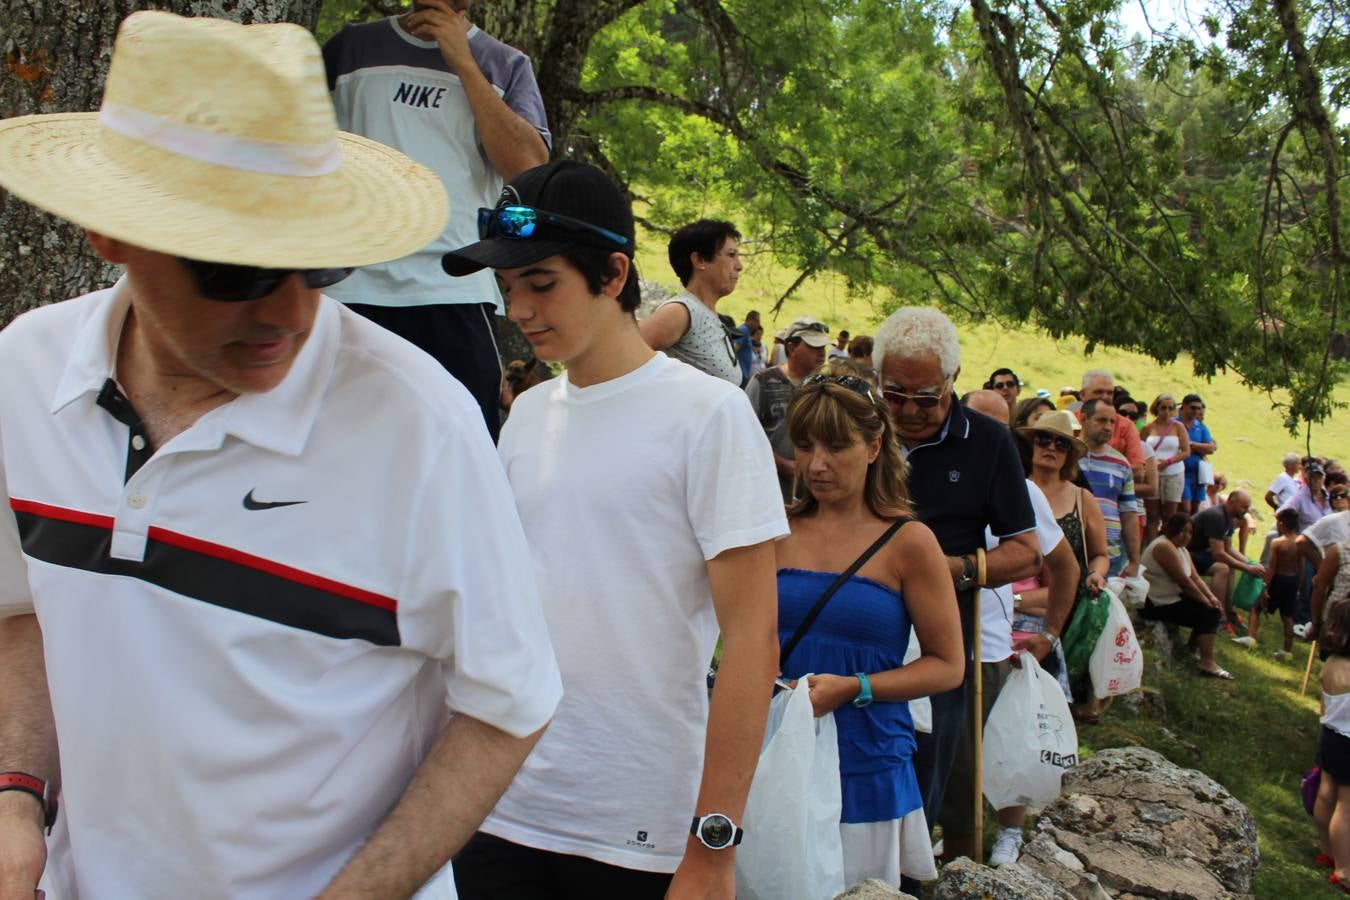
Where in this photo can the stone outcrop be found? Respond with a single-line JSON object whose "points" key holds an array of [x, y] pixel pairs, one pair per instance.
{"points": [[963, 878], [1143, 827], [874, 889]]}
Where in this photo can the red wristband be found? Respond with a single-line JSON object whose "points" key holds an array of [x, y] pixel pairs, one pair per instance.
{"points": [[31, 784]]}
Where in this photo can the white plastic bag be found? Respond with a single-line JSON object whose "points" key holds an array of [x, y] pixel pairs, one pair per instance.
{"points": [[1029, 739], [1132, 591], [1117, 663], [920, 708], [792, 849]]}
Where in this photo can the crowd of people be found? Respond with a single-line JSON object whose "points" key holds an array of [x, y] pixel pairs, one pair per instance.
{"points": [[280, 615]]}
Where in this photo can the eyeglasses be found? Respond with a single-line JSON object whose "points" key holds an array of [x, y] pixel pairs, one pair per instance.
{"points": [[852, 382], [1131, 414], [1000, 385], [1046, 441], [229, 283], [897, 398], [520, 223], [1338, 495]]}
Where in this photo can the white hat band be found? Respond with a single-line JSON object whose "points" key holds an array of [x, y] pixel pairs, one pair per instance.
{"points": [[247, 154]]}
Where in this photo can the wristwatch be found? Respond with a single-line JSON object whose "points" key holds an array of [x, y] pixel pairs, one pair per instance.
{"points": [[716, 831], [967, 579], [864, 697], [31, 784]]}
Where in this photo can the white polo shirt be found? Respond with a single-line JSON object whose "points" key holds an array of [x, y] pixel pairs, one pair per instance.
{"points": [[251, 642]]}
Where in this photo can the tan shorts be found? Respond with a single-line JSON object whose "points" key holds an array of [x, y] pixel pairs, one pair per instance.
{"points": [[1169, 487]]}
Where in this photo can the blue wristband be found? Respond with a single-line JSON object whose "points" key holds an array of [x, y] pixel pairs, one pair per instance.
{"points": [[864, 697]]}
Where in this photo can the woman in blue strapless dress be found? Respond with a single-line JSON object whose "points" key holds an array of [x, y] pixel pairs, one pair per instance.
{"points": [[852, 489]]}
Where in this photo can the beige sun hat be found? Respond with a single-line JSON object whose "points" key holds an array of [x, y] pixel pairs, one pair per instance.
{"points": [[1060, 423], [217, 141]]}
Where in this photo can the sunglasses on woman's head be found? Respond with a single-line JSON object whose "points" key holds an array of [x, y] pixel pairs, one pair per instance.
{"points": [[851, 382], [1047, 441], [229, 283]]}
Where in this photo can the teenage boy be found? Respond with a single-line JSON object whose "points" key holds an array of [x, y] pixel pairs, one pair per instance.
{"points": [[650, 504]]}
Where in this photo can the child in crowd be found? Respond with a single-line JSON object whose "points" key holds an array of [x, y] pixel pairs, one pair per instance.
{"points": [[1280, 594], [1332, 809]]}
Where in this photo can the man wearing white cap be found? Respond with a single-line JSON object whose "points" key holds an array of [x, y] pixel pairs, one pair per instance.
{"points": [[244, 632], [770, 391]]}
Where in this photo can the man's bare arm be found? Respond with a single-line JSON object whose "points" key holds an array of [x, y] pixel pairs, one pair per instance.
{"points": [[468, 769], [1060, 577], [512, 144], [1326, 574], [27, 744], [1129, 536], [1014, 558], [745, 595]]}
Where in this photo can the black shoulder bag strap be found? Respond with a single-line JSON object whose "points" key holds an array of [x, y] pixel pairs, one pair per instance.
{"points": [[838, 583]]}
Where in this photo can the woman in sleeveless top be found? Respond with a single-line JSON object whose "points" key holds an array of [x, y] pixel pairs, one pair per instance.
{"points": [[1178, 595], [1332, 809], [1055, 452], [851, 490], [1166, 435]]}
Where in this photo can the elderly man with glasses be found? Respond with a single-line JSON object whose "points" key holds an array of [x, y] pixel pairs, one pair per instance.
{"points": [[965, 474]]}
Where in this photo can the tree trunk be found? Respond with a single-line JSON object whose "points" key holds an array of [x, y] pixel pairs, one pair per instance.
{"points": [[56, 59]]}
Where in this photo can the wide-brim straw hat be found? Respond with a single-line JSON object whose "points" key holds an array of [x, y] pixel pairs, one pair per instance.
{"points": [[1059, 423], [217, 141]]}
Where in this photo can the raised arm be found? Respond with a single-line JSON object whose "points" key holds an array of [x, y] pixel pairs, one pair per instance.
{"points": [[745, 597], [511, 143], [27, 744]]}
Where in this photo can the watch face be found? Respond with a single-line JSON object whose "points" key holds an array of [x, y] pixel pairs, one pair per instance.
{"points": [[717, 830]]}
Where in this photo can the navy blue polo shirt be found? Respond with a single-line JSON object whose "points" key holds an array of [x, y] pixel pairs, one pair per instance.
{"points": [[968, 476]]}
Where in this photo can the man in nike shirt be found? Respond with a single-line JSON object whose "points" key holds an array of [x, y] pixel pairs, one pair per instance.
{"points": [[466, 106]]}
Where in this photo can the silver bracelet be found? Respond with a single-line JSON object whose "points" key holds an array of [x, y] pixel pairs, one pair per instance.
{"points": [[1052, 638]]}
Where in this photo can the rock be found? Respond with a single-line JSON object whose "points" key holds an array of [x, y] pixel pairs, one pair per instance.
{"points": [[874, 889], [1145, 828], [653, 295], [1043, 855], [1146, 701], [963, 878]]}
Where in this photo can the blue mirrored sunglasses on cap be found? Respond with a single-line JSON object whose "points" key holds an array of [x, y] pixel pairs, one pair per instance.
{"points": [[520, 223]]}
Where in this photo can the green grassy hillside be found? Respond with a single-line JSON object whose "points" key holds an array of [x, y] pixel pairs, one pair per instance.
{"points": [[1251, 436]]}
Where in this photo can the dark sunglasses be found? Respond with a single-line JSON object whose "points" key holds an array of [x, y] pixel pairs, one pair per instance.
{"points": [[1338, 495], [1000, 385], [229, 283], [520, 223], [1047, 441], [922, 401], [852, 382]]}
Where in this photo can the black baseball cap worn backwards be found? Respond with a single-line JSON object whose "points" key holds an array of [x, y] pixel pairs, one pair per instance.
{"points": [[544, 211]]}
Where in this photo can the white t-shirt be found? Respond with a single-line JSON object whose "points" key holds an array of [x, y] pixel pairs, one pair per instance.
{"points": [[996, 604], [626, 489], [1285, 486], [251, 643], [1330, 529]]}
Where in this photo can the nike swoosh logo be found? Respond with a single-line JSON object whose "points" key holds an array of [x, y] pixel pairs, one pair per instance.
{"points": [[250, 503]]}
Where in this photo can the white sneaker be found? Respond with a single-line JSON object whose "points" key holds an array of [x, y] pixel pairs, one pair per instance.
{"points": [[1301, 630], [1007, 847], [1282, 654]]}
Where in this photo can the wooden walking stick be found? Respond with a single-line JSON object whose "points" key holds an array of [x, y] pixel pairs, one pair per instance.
{"points": [[1307, 673], [978, 778]]}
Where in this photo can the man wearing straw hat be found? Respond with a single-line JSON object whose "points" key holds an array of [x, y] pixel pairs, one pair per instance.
{"points": [[249, 635]]}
